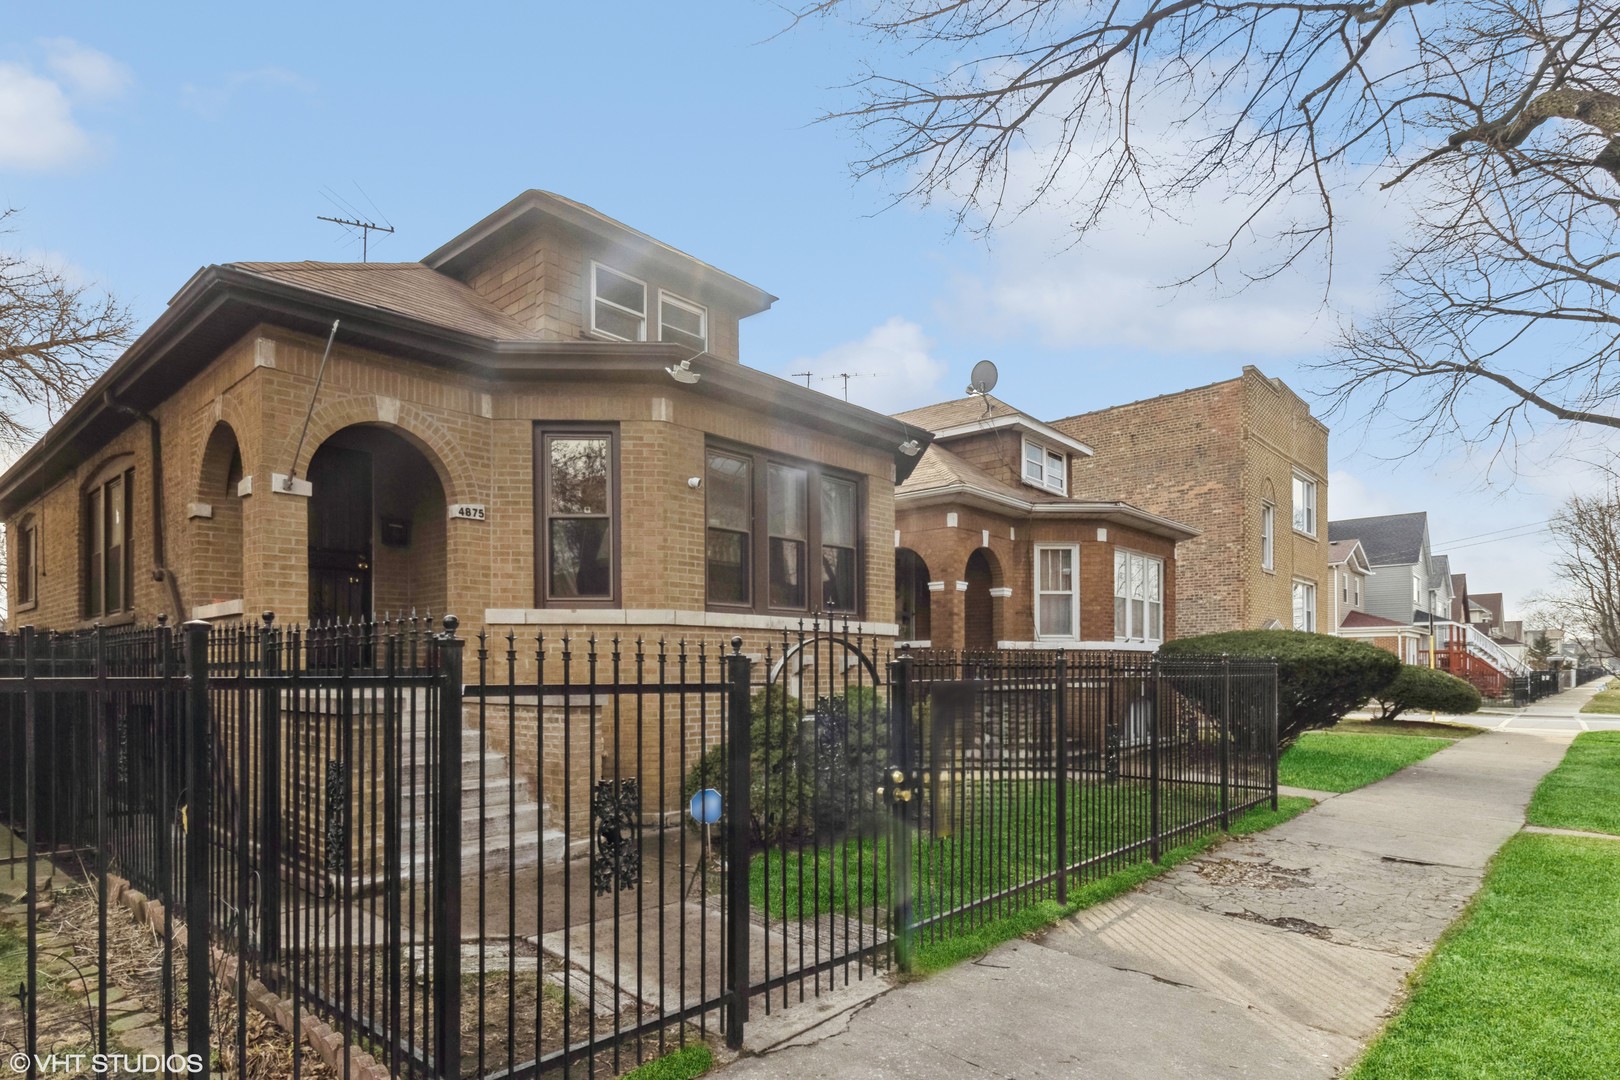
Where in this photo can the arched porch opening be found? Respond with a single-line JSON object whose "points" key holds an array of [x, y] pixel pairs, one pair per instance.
{"points": [[377, 527], [911, 596], [217, 567], [983, 573]]}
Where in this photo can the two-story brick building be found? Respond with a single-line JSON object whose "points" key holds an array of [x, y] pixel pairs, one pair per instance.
{"points": [[1000, 549], [1244, 462], [497, 430]]}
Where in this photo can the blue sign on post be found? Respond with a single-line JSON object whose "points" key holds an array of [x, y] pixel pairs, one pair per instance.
{"points": [[705, 807]]}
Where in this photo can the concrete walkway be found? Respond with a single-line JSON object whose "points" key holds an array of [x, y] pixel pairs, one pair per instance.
{"points": [[1278, 955], [1560, 712]]}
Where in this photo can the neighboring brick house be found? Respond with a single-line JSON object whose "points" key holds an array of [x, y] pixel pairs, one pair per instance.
{"points": [[999, 549], [494, 426], [1244, 462]]}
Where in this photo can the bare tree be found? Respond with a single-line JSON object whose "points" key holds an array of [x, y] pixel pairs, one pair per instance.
{"points": [[1496, 123], [56, 336], [1587, 606]]}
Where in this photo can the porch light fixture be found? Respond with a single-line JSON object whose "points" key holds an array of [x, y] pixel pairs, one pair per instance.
{"points": [[683, 373], [910, 448]]}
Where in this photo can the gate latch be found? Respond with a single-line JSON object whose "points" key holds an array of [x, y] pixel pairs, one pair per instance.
{"points": [[899, 786]]}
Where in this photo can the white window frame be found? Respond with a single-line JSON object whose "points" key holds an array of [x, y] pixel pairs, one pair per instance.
{"points": [[1268, 536], [1357, 579], [1049, 471], [669, 299], [1129, 632], [641, 315], [1073, 593], [1308, 504], [1308, 609]]}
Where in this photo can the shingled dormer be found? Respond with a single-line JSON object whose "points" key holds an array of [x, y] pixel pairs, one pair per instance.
{"points": [[567, 272]]}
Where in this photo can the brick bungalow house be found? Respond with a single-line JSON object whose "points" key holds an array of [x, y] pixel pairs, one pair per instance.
{"points": [[495, 427], [1244, 462], [998, 548]]}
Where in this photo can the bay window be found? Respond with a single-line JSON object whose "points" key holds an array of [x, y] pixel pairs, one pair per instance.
{"points": [[1138, 597], [782, 536]]}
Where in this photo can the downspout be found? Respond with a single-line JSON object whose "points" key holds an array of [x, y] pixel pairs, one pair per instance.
{"points": [[160, 568]]}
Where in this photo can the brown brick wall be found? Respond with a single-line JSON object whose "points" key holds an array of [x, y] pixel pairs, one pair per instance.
{"points": [[946, 549], [1206, 457], [477, 437]]}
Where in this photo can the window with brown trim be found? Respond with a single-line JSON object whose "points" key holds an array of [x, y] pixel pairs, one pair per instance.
{"points": [[27, 544], [108, 589], [576, 516], [783, 537]]}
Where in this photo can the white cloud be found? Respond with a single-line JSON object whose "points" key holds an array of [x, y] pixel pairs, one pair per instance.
{"points": [[211, 100], [89, 74], [892, 364], [38, 131]]}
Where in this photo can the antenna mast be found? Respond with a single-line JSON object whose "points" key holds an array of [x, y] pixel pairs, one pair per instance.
{"points": [[365, 228], [846, 376]]}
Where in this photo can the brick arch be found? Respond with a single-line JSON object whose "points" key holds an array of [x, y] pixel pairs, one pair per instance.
{"points": [[410, 423], [216, 570], [981, 626], [230, 412]]}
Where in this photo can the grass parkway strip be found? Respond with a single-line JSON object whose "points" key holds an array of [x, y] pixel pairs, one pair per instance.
{"points": [[1524, 985], [1584, 791], [1330, 761]]}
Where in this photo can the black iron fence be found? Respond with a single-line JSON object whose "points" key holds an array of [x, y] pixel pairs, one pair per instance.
{"points": [[574, 855]]}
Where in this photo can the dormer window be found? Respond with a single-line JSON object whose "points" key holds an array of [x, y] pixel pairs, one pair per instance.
{"points": [[618, 304], [682, 322], [1045, 468]]}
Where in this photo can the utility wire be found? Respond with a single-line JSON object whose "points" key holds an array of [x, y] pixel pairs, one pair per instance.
{"points": [[1493, 532]]}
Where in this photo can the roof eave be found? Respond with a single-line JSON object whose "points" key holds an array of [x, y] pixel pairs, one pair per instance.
{"points": [[214, 289], [960, 492]]}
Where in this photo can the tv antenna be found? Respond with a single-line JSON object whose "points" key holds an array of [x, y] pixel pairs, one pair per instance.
{"points": [[366, 228], [846, 376], [805, 375]]}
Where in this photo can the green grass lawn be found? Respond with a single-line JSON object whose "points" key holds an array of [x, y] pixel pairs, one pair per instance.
{"points": [[1524, 985], [1007, 838], [1607, 701], [1004, 837], [936, 955], [1584, 791], [1440, 729], [1329, 761]]}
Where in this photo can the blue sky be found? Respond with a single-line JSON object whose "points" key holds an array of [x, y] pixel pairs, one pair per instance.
{"points": [[141, 143]]}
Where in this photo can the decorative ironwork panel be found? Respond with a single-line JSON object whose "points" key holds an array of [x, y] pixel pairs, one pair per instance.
{"points": [[337, 816], [121, 726], [616, 816]]}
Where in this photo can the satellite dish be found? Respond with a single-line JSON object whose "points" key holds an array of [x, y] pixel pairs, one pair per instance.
{"points": [[983, 379]]}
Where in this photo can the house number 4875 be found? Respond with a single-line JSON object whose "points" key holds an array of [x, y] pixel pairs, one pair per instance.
{"points": [[468, 511]]}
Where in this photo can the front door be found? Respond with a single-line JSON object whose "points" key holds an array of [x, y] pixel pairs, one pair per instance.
{"points": [[340, 535]]}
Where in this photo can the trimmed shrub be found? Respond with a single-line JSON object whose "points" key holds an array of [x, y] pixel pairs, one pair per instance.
{"points": [[1428, 690], [1319, 678], [810, 766]]}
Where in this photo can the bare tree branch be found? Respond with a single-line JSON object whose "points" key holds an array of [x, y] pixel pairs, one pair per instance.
{"points": [[1498, 120], [55, 338]]}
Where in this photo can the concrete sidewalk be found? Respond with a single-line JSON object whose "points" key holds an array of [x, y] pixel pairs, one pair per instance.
{"points": [[1277, 955]]}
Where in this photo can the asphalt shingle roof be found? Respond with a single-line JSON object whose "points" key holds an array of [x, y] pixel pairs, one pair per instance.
{"points": [[1388, 540], [410, 289], [967, 410]]}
